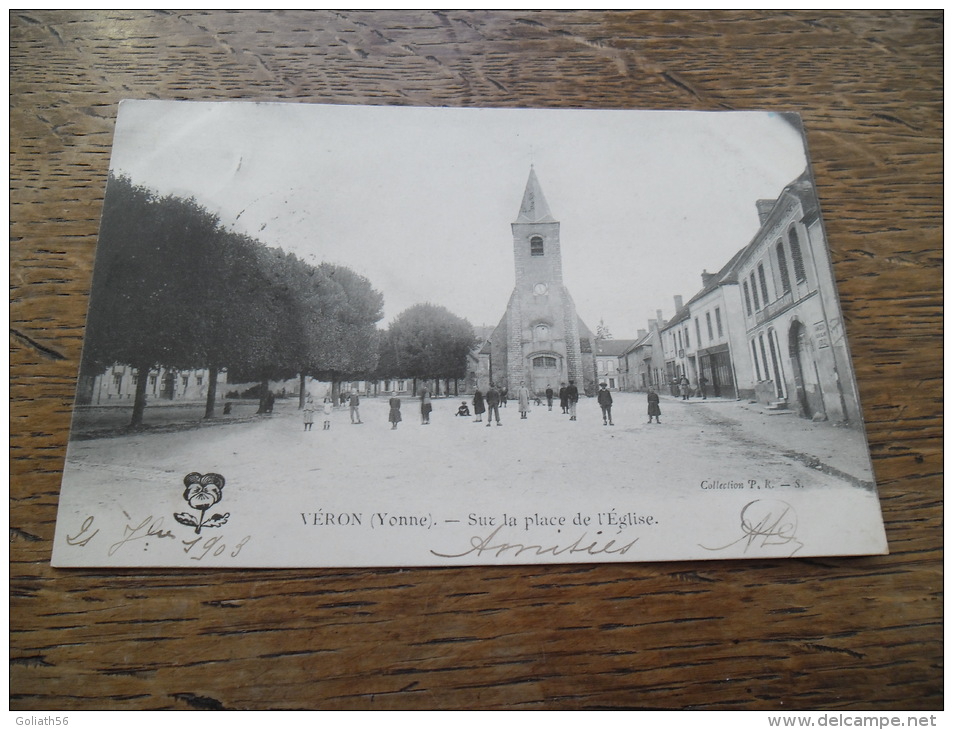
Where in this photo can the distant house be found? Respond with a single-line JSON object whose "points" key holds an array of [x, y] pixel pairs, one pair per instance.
{"points": [[642, 364], [606, 354], [118, 385], [677, 350], [720, 354]]}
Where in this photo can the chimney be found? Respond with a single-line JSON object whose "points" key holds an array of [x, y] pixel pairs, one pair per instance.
{"points": [[764, 209], [640, 334], [706, 278], [678, 302], [658, 318]]}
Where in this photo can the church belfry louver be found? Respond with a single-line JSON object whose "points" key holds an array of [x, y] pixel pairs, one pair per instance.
{"points": [[540, 340]]}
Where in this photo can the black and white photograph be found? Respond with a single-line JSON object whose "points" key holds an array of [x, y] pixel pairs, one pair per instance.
{"points": [[339, 336]]}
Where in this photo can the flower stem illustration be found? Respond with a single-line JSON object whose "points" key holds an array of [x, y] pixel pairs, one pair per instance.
{"points": [[202, 491]]}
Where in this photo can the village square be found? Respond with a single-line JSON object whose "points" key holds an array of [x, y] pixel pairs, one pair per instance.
{"points": [[723, 401]]}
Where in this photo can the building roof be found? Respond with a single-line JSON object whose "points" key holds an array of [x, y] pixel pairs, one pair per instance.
{"points": [[611, 348], [534, 208]]}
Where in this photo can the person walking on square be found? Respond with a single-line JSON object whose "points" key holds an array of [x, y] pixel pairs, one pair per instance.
{"points": [[522, 394], [654, 410], [549, 397], [492, 405], [308, 414], [355, 404], [572, 396], [425, 406], [683, 386], [703, 386], [564, 398], [328, 408], [605, 403], [394, 415], [504, 396], [478, 408]]}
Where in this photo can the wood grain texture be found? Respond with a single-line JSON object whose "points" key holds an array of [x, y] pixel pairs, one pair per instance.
{"points": [[863, 633]]}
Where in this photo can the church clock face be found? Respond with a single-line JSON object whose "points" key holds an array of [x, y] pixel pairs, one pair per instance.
{"points": [[540, 289]]}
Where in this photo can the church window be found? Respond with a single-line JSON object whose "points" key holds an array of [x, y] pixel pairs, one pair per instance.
{"points": [[747, 299], [541, 331], [796, 255], [754, 293], [783, 268], [536, 246], [544, 361]]}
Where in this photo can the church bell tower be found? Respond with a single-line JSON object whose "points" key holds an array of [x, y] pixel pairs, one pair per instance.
{"points": [[543, 329]]}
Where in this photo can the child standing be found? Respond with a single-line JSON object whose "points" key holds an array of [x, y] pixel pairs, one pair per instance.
{"points": [[327, 414], [308, 414]]}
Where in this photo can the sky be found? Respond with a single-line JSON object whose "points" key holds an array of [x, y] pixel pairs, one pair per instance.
{"points": [[420, 200]]}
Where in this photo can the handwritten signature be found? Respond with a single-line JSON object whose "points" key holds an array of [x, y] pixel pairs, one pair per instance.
{"points": [[582, 544], [764, 523]]}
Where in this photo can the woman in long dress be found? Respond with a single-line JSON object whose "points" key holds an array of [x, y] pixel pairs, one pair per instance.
{"points": [[478, 408], [394, 415]]}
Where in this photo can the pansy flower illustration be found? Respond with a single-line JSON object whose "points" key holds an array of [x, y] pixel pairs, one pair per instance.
{"points": [[202, 491]]}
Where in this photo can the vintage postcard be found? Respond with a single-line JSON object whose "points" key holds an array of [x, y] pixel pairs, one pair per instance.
{"points": [[380, 336]]}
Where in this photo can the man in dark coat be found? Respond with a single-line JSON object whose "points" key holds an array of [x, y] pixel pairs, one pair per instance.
{"points": [[492, 405], [605, 402], [564, 398], [549, 396], [572, 395], [654, 410]]}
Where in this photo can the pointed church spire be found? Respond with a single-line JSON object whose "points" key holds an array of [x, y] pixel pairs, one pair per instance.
{"points": [[534, 208]]}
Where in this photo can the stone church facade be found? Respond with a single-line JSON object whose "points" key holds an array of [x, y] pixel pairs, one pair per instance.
{"points": [[540, 341]]}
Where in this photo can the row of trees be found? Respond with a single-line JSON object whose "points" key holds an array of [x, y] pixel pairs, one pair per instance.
{"points": [[173, 288]]}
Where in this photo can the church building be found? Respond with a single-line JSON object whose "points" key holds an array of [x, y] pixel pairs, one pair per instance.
{"points": [[540, 341]]}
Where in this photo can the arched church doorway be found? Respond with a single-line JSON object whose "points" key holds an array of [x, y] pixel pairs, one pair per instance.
{"points": [[546, 371]]}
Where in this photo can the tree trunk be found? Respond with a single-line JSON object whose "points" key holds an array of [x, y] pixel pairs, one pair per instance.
{"points": [[212, 391], [139, 403], [302, 396], [263, 396]]}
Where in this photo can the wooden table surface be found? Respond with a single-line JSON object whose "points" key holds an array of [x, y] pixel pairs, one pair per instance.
{"points": [[836, 633]]}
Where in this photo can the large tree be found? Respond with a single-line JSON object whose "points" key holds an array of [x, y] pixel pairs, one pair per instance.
{"points": [[145, 309], [430, 342], [353, 351]]}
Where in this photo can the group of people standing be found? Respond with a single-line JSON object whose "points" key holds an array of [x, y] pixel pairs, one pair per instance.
{"points": [[683, 387], [489, 403]]}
